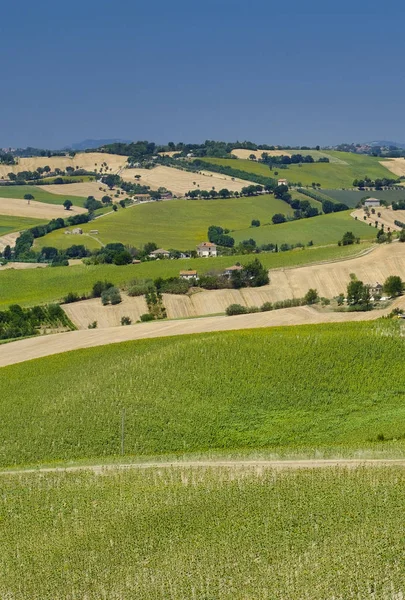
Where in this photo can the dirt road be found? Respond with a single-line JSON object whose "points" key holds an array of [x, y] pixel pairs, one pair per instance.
{"points": [[220, 463], [20, 351]]}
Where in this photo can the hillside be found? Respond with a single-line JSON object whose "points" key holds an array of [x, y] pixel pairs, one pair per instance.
{"points": [[180, 224], [51, 284], [330, 175], [220, 401], [45, 193]]}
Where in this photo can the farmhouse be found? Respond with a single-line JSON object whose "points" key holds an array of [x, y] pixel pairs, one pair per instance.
{"points": [[282, 182], [159, 253], [142, 197], [188, 275], [77, 231], [206, 249], [229, 270], [372, 202], [376, 289]]}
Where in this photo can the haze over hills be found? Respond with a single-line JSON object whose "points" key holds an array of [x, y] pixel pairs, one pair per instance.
{"points": [[90, 143]]}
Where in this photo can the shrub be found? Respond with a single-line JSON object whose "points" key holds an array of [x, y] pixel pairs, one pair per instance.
{"points": [[140, 289], [236, 309], [311, 296], [146, 317], [266, 306], [111, 296], [126, 321], [71, 297], [93, 325], [99, 287]]}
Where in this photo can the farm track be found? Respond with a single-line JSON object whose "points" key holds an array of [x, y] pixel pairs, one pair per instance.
{"points": [[220, 463], [41, 346]]}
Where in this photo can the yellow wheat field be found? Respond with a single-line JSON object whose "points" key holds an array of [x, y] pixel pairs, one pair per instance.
{"points": [[37, 210]]}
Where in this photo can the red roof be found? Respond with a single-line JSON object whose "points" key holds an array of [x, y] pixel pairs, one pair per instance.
{"points": [[206, 245], [188, 272]]}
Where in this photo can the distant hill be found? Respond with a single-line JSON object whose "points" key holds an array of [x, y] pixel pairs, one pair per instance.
{"points": [[91, 144], [386, 144]]}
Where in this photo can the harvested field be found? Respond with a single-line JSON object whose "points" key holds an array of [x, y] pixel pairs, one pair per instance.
{"points": [[245, 154], [395, 165], [83, 160], [330, 279], [179, 182], [84, 189], [85, 312], [20, 265], [46, 345], [36, 210], [388, 217], [8, 240]]}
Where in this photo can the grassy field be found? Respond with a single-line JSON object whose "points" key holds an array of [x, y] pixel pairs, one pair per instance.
{"points": [[325, 229], [329, 175], [10, 224], [353, 197], [180, 224], [283, 389], [39, 286], [205, 534], [19, 191]]}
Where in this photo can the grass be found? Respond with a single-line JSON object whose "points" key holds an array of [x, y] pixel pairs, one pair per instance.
{"points": [[277, 388], [353, 197], [9, 224], [40, 286], [19, 191], [69, 178], [329, 175], [206, 534], [325, 229], [180, 224]]}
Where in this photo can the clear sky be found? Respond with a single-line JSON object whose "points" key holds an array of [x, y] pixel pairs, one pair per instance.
{"points": [[285, 72]]}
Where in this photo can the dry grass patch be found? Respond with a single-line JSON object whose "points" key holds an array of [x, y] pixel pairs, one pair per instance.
{"points": [[242, 153], [83, 160], [87, 311], [180, 182], [395, 165], [36, 210], [84, 189]]}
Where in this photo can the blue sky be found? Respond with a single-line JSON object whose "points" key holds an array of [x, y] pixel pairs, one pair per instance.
{"points": [[309, 72]]}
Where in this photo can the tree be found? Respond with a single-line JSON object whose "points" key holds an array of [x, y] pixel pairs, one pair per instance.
{"points": [[255, 223], [149, 247], [12, 176], [106, 200], [278, 218], [67, 204], [224, 193], [115, 208], [7, 252], [348, 238], [328, 206], [311, 297], [402, 236], [28, 197], [358, 293], [111, 180], [122, 203], [393, 286]]}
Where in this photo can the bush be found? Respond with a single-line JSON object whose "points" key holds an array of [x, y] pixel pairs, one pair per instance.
{"points": [[126, 321], [311, 297], [71, 297], [99, 287], [111, 296], [93, 325], [140, 289], [266, 306], [147, 317], [236, 309]]}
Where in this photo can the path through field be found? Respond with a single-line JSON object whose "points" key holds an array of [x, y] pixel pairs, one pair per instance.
{"points": [[46, 345], [220, 463]]}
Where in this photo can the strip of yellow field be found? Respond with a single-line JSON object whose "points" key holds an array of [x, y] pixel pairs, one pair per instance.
{"points": [[28, 349], [37, 210], [395, 165]]}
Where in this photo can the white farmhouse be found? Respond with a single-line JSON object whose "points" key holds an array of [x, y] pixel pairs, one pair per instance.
{"points": [[206, 249]]}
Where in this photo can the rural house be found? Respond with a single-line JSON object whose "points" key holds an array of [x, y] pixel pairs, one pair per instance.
{"points": [[229, 270], [206, 249], [142, 197], [372, 202], [159, 253], [376, 290], [188, 275], [282, 182]]}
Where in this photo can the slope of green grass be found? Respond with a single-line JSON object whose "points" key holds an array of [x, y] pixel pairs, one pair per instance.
{"points": [[19, 191], [9, 224], [207, 534], [40, 286], [286, 388], [180, 224], [325, 229], [329, 175]]}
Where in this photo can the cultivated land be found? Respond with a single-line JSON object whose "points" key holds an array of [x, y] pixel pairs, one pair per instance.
{"points": [[42, 193], [9, 224], [329, 175], [224, 533], [35, 210], [84, 189], [388, 217], [353, 197], [180, 182], [180, 224], [325, 229], [294, 389], [52, 284], [395, 165], [83, 160]]}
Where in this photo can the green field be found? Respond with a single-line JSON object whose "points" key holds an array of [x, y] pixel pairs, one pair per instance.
{"points": [[203, 534], [19, 191], [9, 224], [329, 175], [353, 197], [280, 389], [325, 229], [180, 224], [40, 286]]}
